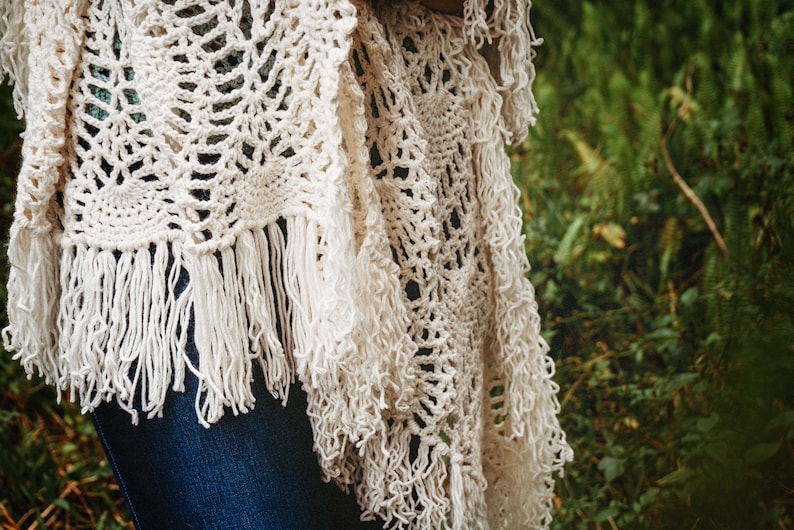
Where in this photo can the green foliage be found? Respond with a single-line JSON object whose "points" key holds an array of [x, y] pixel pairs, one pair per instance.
{"points": [[675, 358]]}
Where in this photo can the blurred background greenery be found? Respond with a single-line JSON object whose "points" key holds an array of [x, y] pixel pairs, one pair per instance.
{"points": [[658, 190]]}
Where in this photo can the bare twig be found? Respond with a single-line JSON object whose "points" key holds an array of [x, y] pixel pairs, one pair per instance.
{"points": [[673, 296], [681, 183], [71, 487], [9, 523]]}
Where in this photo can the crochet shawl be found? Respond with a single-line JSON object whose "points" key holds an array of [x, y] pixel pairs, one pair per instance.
{"points": [[330, 176]]}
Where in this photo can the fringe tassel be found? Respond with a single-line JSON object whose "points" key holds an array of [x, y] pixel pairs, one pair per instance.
{"points": [[120, 329], [503, 28], [260, 258], [33, 294], [417, 494], [456, 491], [224, 367], [14, 51]]}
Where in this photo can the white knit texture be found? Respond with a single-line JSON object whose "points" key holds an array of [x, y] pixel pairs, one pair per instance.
{"points": [[330, 178]]}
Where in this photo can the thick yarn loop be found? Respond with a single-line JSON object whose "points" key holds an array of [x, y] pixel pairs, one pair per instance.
{"points": [[316, 189]]}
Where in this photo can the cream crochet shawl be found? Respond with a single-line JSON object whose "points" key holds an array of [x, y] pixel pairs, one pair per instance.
{"points": [[173, 137]]}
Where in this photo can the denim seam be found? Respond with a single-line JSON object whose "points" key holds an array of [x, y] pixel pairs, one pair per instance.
{"points": [[112, 461]]}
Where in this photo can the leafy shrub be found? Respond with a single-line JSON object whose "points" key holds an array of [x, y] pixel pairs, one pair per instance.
{"points": [[659, 205]]}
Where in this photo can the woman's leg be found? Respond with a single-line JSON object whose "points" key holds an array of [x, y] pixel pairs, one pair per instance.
{"points": [[255, 470]]}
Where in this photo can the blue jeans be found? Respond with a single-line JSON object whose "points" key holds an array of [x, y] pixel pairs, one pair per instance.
{"points": [[252, 471]]}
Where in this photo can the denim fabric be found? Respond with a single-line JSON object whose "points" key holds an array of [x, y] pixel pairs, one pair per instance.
{"points": [[251, 471]]}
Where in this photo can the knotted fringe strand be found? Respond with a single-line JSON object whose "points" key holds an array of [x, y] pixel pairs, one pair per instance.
{"points": [[239, 305], [407, 491], [33, 293], [14, 50], [531, 445], [115, 326], [503, 28]]}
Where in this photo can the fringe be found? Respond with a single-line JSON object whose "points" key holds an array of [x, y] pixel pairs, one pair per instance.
{"points": [[115, 326], [503, 29], [33, 294], [14, 50], [406, 492]]}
